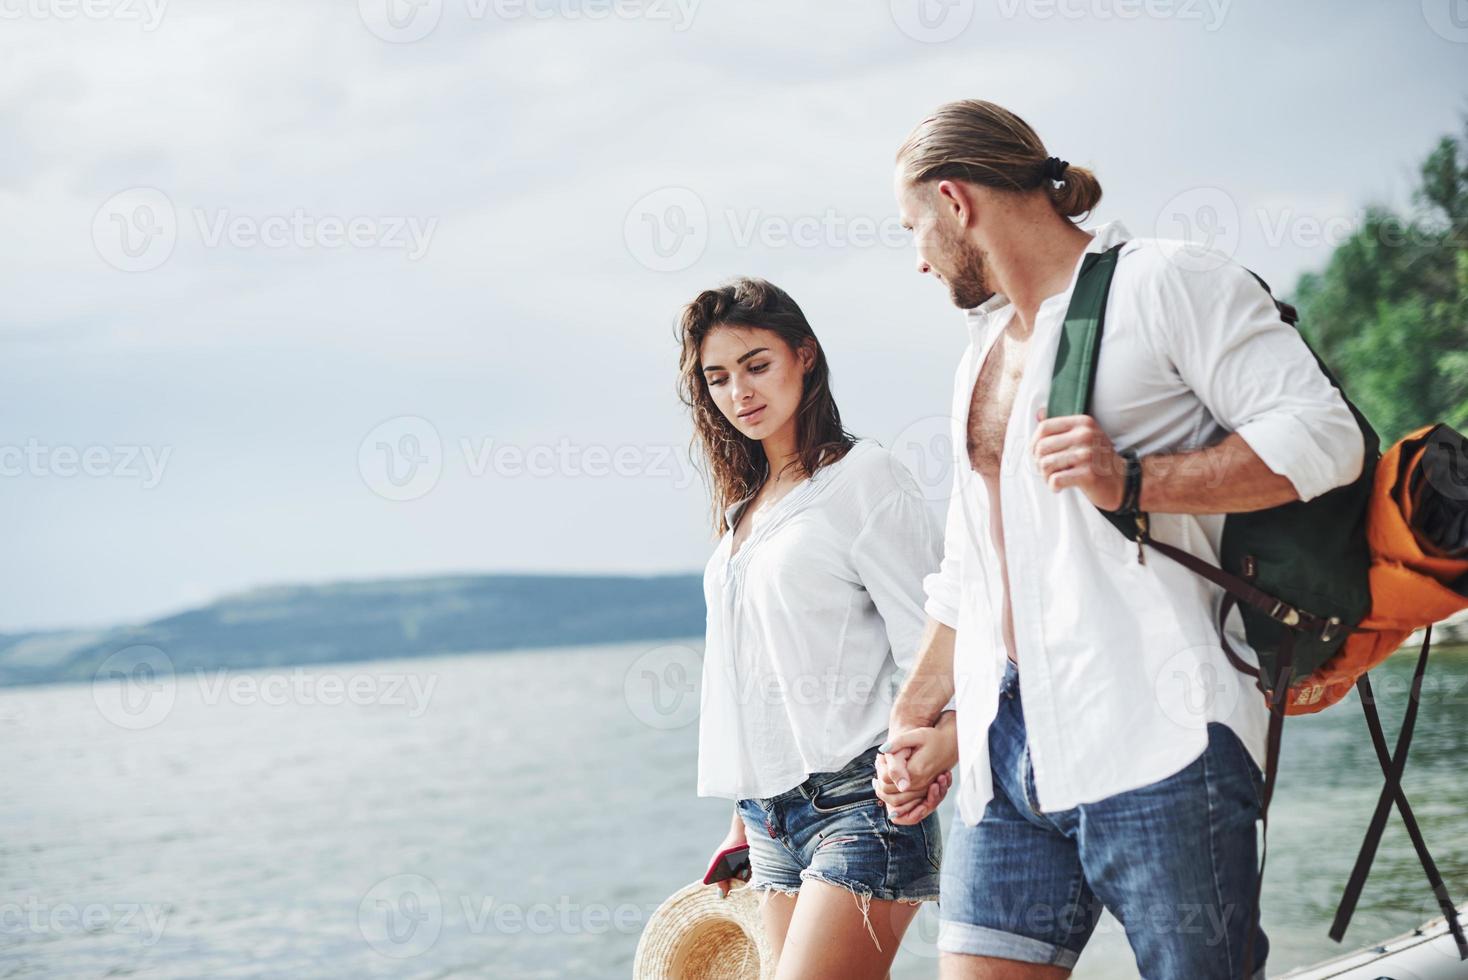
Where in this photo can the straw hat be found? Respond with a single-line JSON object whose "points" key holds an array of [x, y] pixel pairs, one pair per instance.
{"points": [[695, 934]]}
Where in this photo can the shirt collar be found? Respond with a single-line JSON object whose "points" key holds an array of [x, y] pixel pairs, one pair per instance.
{"points": [[982, 316], [738, 505]]}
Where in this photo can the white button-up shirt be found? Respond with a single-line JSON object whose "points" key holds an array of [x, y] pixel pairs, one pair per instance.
{"points": [[812, 625], [1120, 660]]}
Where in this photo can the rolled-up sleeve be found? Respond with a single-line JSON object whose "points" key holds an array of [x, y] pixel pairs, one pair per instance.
{"points": [[1256, 376]]}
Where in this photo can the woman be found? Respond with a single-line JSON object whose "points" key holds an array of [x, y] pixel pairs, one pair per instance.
{"points": [[814, 598]]}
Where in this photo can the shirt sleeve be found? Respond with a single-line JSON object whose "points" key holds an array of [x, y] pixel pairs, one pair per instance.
{"points": [[896, 548], [1254, 373], [942, 588]]}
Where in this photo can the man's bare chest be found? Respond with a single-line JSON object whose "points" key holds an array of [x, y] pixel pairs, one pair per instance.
{"points": [[992, 400]]}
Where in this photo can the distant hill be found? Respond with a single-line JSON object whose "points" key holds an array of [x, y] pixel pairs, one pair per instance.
{"points": [[379, 619]]}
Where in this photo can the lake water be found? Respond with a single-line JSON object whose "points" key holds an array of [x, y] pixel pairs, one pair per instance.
{"points": [[512, 815]]}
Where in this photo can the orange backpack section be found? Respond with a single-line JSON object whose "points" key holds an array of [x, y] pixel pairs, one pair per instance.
{"points": [[1408, 586]]}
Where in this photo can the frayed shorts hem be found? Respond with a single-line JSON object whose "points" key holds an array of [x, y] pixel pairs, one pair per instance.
{"points": [[910, 896]]}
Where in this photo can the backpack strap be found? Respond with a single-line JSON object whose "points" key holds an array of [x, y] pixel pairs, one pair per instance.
{"points": [[1071, 384]]}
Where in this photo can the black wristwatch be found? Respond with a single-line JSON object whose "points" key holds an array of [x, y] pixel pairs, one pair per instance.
{"points": [[1131, 494]]}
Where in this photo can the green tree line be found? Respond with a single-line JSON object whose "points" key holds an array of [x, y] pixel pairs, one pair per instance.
{"points": [[1389, 313]]}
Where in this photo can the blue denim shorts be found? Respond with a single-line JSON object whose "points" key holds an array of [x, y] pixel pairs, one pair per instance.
{"points": [[1175, 862], [833, 828]]}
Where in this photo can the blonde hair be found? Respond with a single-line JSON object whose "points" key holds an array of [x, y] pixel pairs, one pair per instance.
{"points": [[987, 144]]}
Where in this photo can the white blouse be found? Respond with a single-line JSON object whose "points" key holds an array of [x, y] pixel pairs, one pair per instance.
{"points": [[813, 625]]}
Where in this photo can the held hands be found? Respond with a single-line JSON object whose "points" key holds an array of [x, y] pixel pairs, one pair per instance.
{"points": [[914, 772], [1072, 451]]}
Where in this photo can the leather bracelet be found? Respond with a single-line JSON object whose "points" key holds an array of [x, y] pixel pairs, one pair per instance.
{"points": [[1131, 494]]}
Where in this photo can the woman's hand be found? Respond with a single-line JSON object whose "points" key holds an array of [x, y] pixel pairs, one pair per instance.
{"points": [[735, 838], [913, 806], [914, 772]]}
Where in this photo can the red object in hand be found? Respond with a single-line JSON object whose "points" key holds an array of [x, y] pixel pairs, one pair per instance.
{"points": [[731, 862]]}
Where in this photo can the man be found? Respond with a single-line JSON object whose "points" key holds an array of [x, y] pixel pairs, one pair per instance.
{"points": [[1108, 753]]}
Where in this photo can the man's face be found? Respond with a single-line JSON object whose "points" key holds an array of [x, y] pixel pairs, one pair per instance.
{"points": [[932, 213]]}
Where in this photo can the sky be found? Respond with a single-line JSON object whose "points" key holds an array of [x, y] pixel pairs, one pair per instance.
{"points": [[305, 291]]}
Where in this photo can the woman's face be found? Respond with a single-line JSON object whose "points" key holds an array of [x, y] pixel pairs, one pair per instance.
{"points": [[754, 377]]}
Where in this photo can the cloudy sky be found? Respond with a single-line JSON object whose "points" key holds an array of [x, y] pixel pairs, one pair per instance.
{"points": [[302, 291]]}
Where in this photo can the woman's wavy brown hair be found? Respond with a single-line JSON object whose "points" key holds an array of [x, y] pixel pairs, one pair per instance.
{"points": [[987, 144], [737, 466]]}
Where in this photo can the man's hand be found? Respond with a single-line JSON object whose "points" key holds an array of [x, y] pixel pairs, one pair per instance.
{"points": [[1072, 451], [912, 764], [912, 806]]}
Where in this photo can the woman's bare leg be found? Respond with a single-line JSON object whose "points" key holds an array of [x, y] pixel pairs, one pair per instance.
{"points": [[775, 909], [830, 936]]}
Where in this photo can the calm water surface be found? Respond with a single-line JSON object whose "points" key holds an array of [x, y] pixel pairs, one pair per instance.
{"points": [[510, 815]]}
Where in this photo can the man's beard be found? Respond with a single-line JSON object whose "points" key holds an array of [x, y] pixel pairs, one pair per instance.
{"points": [[969, 284]]}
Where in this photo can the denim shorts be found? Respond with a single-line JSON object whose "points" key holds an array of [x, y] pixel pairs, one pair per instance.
{"points": [[833, 828], [1175, 862]]}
